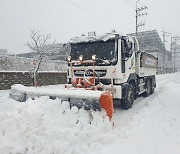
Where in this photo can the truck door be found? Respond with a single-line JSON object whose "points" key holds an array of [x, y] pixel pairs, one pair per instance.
{"points": [[127, 56]]}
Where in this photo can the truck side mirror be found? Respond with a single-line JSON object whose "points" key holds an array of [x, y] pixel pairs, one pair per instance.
{"points": [[130, 45], [129, 51], [138, 51]]}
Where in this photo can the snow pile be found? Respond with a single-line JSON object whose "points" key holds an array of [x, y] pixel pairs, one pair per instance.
{"points": [[46, 126]]}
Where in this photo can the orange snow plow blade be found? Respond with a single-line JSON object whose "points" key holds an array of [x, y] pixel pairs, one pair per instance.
{"points": [[105, 100]]}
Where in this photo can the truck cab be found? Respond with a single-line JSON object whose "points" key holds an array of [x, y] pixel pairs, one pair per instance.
{"points": [[114, 63]]}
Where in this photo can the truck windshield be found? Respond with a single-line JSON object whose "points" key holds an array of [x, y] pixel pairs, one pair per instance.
{"points": [[104, 51]]}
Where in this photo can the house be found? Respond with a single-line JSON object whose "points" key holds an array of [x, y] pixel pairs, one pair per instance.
{"points": [[150, 41], [3, 52]]}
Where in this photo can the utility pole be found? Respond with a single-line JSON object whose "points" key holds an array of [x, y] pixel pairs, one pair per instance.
{"points": [[140, 13], [171, 44], [171, 50], [175, 55], [164, 42], [176, 38]]}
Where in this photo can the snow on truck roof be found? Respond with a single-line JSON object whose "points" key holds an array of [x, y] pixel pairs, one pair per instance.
{"points": [[93, 38]]}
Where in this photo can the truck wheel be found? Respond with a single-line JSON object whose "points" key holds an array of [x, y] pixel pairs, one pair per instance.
{"points": [[128, 101], [152, 87], [148, 87]]}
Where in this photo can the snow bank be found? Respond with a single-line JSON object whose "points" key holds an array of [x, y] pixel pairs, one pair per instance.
{"points": [[49, 126]]}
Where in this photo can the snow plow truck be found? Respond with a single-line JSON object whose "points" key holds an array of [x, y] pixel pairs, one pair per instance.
{"points": [[102, 69]]}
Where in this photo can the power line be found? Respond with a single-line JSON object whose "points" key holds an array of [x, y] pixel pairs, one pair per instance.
{"points": [[87, 11], [78, 6], [138, 9], [140, 13], [133, 3], [130, 3]]}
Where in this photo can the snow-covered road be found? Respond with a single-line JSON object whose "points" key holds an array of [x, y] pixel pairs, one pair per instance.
{"points": [[151, 126]]}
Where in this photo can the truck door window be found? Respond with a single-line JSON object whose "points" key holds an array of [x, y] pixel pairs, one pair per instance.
{"points": [[128, 48], [123, 56]]}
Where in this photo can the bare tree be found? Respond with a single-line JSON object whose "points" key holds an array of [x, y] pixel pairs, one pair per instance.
{"points": [[40, 43]]}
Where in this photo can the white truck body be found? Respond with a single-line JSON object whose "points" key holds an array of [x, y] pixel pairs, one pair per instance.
{"points": [[139, 64]]}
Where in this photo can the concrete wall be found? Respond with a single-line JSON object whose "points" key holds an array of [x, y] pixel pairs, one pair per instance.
{"points": [[44, 78]]}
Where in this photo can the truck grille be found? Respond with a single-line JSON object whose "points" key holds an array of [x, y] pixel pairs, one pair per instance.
{"points": [[80, 73]]}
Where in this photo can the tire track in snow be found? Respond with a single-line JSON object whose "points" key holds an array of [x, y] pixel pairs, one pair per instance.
{"points": [[122, 117]]}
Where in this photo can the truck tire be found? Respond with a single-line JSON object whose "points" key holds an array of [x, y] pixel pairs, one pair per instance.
{"points": [[152, 87], [127, 102], [148, 87]]}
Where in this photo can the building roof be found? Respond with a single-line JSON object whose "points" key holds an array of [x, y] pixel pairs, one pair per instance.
{"points": [[149, 41], [56, 52]]}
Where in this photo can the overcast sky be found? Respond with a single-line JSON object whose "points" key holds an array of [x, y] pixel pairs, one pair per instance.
{"points": [[64, 19]]}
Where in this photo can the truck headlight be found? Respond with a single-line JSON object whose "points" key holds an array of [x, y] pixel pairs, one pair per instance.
{"points": [[93, 57], [69, 58], [81, 57]]}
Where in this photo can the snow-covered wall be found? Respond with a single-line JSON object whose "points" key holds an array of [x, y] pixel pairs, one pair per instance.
{"points": [[14, 63], [44, 78]]}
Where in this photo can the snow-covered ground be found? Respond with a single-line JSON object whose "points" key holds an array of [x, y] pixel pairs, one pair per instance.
{"points": [[44, 126]]}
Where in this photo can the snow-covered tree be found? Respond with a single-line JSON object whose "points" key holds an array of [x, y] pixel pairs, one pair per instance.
{"points": [[39, 43]]}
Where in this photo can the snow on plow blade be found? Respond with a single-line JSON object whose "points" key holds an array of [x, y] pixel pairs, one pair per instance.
{"points": [[22, 93]]}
